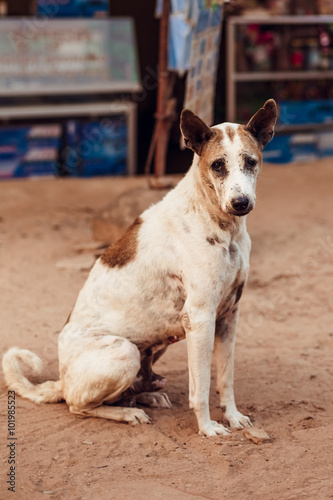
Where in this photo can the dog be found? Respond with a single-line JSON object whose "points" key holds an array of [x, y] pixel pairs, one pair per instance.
{"points": [[177, 272]]}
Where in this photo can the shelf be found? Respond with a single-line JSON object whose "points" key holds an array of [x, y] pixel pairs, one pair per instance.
{"points": [[120, 87], [65, 110], [281, 20], [234, 77], [308, 127], [281, 75]]}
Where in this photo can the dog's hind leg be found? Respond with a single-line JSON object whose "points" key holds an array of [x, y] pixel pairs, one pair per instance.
{"points": [[147, 382], [154, 399], [132, 416], [98, 372]]}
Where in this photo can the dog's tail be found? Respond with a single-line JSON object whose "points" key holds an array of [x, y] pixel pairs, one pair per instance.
{"points": [[47, 392]]}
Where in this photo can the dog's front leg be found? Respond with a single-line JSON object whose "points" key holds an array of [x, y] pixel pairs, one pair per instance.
{"points": [[200, 342], [225, 333]]}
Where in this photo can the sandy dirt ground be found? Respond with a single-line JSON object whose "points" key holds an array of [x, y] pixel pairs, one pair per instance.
{"points": [[283, 368]]}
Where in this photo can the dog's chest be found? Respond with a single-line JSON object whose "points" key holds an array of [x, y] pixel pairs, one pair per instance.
{"points": [[234, 276]]}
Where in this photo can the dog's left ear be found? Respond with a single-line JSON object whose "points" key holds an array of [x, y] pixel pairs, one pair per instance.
{"points": [[262, 124], [195, 132]]}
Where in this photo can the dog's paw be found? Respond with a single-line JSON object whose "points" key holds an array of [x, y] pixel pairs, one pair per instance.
{"points": [[237, 420], [214, 429], [158, 382], [136, 416], [154, 399]]}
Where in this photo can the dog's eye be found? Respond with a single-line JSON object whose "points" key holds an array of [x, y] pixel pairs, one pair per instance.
{"points": [[250, 163], [219, 166]]}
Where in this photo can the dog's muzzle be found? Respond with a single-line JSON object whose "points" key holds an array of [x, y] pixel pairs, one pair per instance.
{"points": [[241, 206]]}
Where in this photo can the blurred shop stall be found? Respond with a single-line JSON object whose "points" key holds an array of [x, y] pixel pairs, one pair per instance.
{"points": [[189, 44], [66, 78], [284, 50], [95, 87]]}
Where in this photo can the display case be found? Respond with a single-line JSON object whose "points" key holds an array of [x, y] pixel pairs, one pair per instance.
{"points": [[70, 69], [289, 49]]}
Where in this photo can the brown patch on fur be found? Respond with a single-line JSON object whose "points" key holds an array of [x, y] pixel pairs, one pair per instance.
{"points": [[217, 138], [249, 141], [207, 182], [219, 134], [124, 250], [176, 277], [179, 304], [221, 329], [186, 322], [230, 132], [209, 154], [213, 240], [207, 194], [233, 251], [224, 224]]}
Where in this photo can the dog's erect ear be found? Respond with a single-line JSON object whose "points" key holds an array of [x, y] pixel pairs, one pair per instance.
{"points": [[195, 132], [262, 124]]}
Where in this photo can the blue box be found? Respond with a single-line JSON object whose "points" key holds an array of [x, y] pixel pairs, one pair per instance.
{"points": [[73, 8], [9, 161], [29, 150], [325, 144], [95, 148], [102, 166], [278, 150], [35, 136], [303, 147], [321, 111], [13, 165], [36, 168], [294, 147], [305, 112]]}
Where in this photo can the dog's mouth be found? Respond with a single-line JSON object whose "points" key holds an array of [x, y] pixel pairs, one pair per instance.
{"points": [[241, 213]]}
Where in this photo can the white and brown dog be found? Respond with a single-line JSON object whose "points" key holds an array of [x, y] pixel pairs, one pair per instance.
{"points": [[177, 272]]}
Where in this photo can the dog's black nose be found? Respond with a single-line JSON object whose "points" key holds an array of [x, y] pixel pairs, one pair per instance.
{"points": [[240, 204]]}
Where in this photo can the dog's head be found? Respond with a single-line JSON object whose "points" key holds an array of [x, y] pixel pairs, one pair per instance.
{"points": [[230, 155]]}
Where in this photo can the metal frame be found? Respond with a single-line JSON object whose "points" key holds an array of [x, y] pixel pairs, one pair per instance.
{"points": [[120, 87]]}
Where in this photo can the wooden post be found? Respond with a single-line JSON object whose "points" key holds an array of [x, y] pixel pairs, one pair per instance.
{"points": [[162, 126]]}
